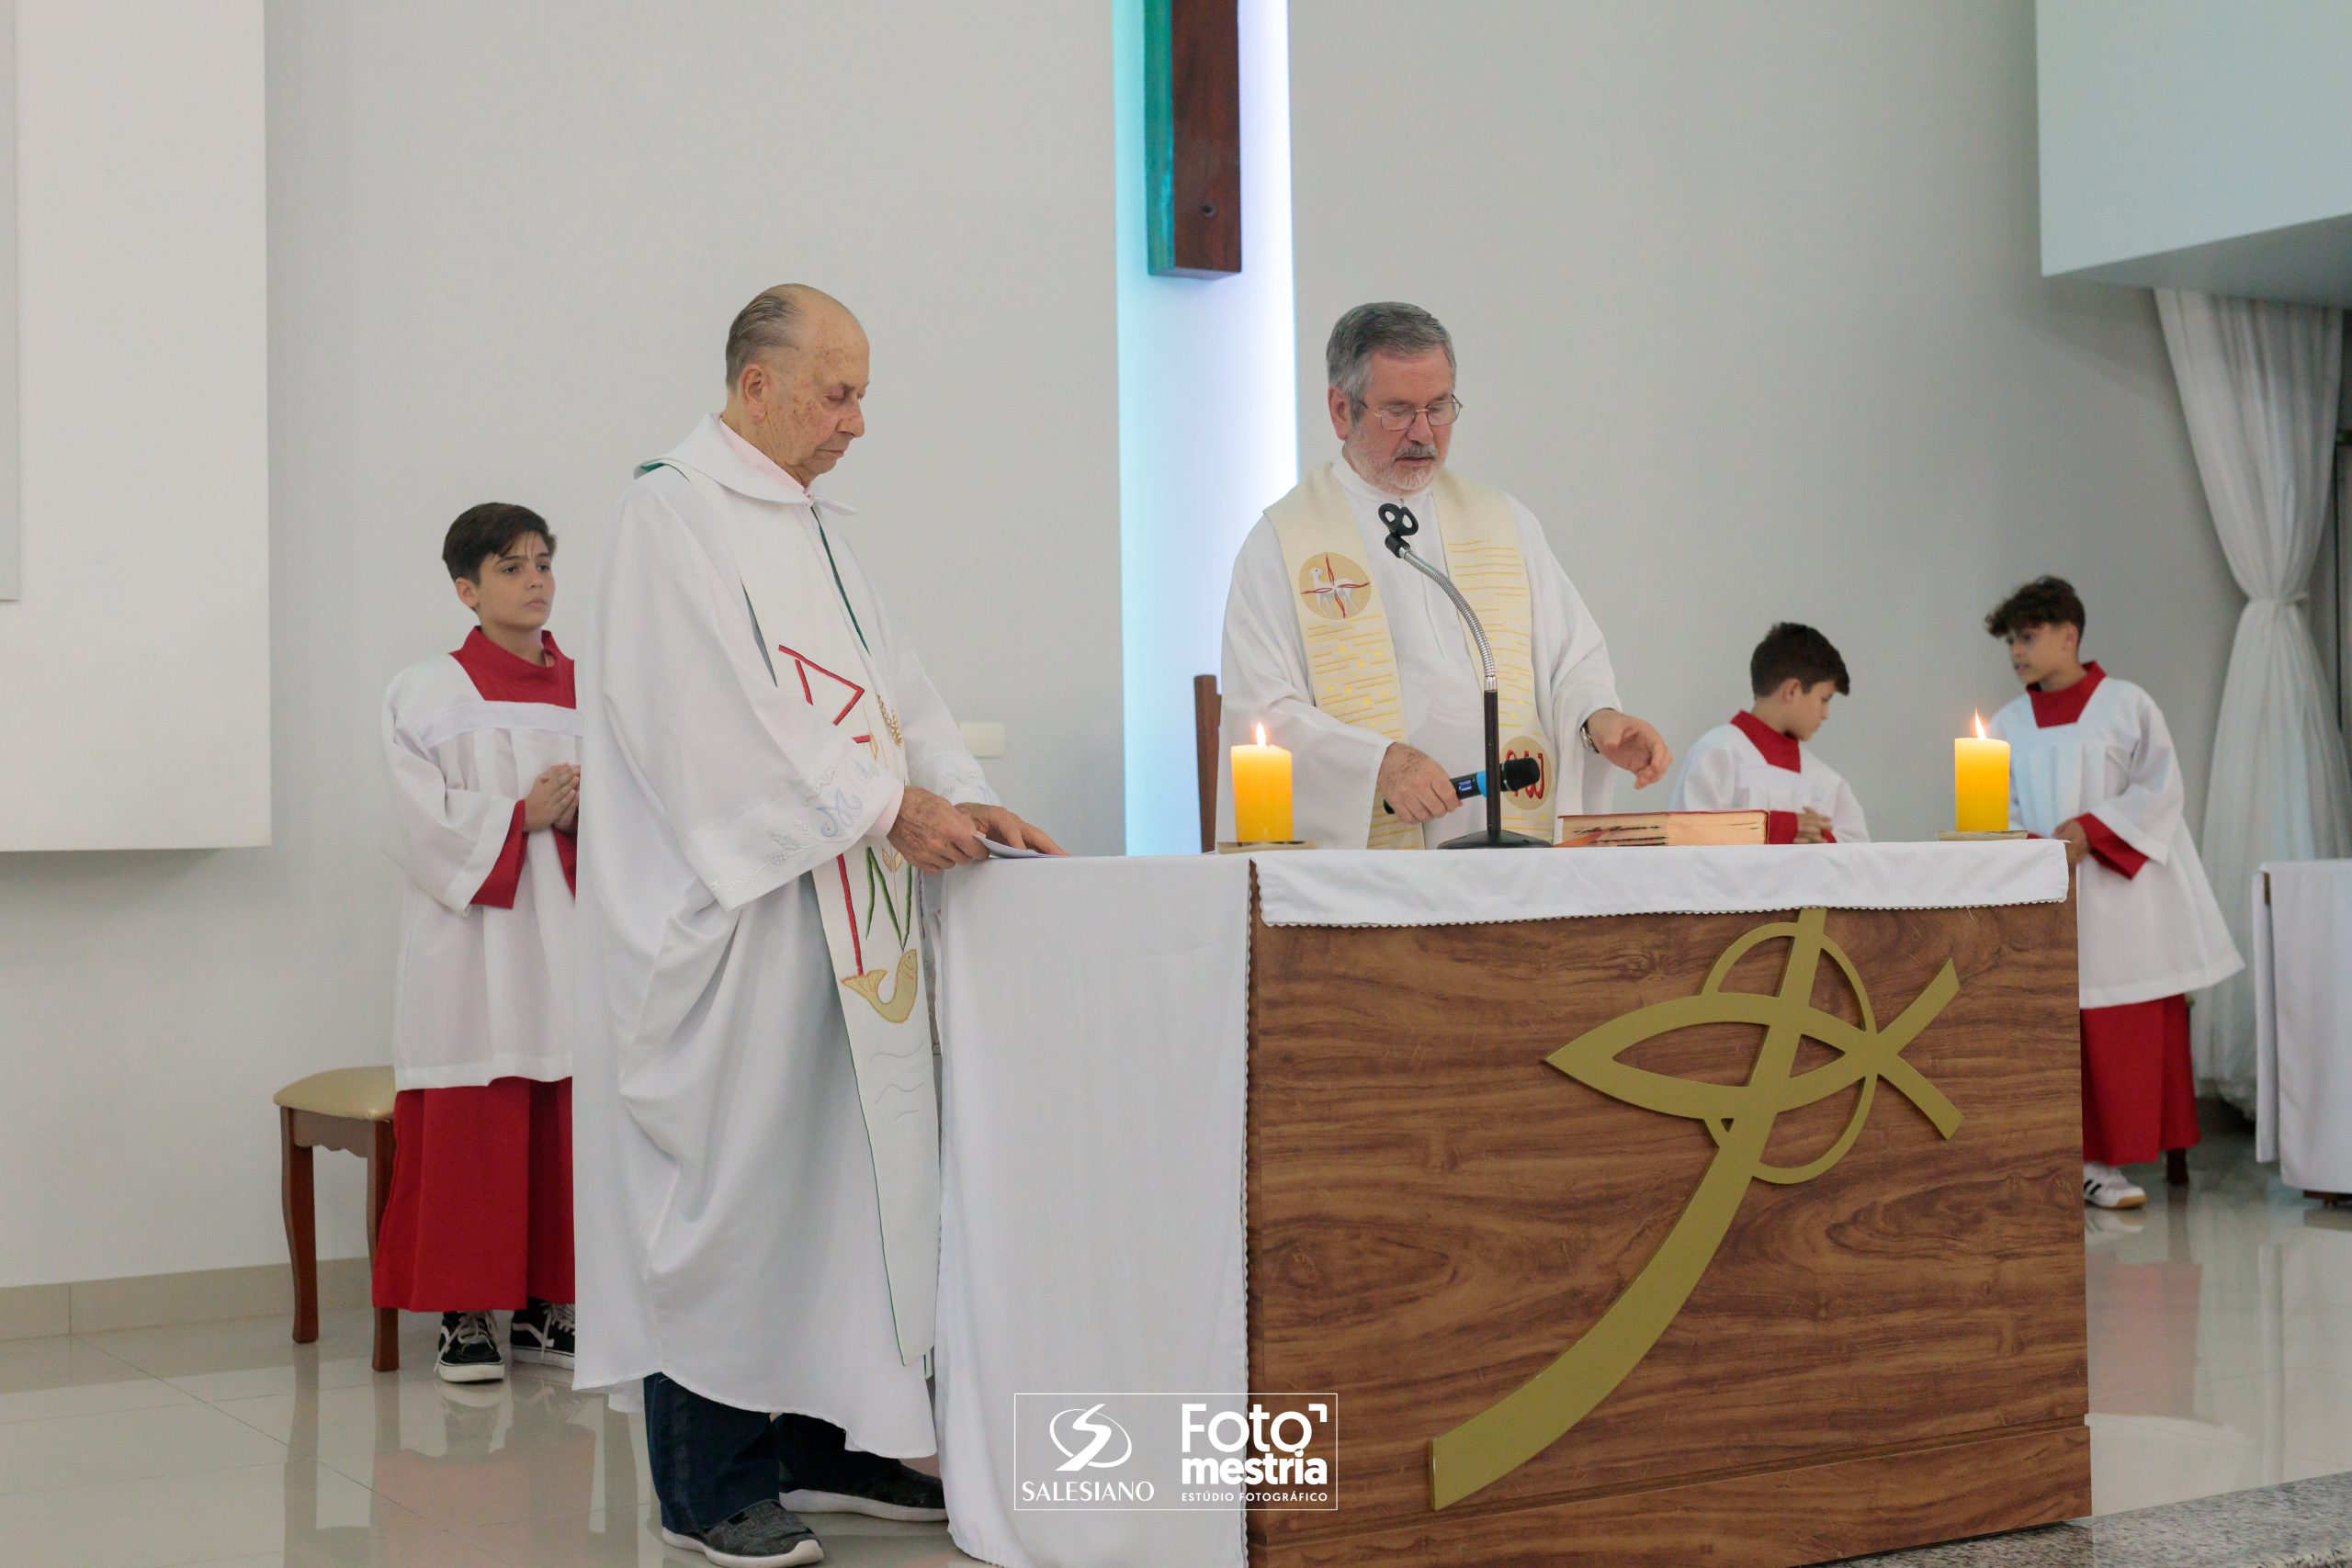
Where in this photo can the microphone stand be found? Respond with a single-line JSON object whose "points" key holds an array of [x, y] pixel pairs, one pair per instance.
{"points": [[1401, 523]]}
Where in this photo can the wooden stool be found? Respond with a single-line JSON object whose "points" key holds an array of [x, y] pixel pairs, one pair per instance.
{"points": [[349, 1108]]}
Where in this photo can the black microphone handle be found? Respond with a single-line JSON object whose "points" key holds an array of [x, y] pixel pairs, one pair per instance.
{"points": [[1518, 774]]}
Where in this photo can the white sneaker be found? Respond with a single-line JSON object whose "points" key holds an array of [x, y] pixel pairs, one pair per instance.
{"points": [[2104, 1187]]}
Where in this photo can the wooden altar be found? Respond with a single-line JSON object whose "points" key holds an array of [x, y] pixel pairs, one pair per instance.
{"points": [[1886, 1351]]}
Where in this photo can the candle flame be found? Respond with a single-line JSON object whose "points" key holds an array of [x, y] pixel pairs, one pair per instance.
{"points": [[1980, 727], [1261, 733]]}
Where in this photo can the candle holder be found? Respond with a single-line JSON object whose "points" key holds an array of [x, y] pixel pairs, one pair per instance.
{"points": [[1954, 836], [1228, 847]]}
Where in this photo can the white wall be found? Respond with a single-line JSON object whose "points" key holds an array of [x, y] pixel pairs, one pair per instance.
{"points": [[9, 556], [1748, 308], [134, 668], [1205, 435], [2171, 124], [504, 244]]}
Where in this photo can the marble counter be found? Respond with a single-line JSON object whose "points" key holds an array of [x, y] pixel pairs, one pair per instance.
{"points": [[2304, 1524]]}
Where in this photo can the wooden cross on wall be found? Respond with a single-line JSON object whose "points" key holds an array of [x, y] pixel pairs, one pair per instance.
{"points": [[1191, 72]]}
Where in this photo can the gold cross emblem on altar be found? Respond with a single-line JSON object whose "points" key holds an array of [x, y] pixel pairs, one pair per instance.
{"points": [[1739, 1118]]}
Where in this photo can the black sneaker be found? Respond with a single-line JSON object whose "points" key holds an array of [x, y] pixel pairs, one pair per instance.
{"points": [[851, 1483], [469, 1348], [541, 1333], [765, 1535]]}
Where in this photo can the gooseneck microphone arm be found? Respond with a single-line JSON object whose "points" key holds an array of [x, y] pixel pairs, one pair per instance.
{"points": [[1402, 525]]}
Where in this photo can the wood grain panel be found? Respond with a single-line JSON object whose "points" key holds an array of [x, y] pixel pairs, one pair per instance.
{"points": [[1436, 1214], [1193, 136], [1770, 1519]]}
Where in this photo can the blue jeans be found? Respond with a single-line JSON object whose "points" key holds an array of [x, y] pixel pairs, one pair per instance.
{"points": [[711, 1462]]}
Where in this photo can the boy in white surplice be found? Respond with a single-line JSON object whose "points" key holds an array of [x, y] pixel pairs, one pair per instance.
{"points": [[483, 746], [1759, 762], [2092, 763]]}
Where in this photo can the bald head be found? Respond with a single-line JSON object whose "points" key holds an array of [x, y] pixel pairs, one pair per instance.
{"points": [[796, 378], [779, 321]]}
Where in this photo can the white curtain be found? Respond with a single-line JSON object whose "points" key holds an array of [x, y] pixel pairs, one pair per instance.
{"points": [[2259, 382]]}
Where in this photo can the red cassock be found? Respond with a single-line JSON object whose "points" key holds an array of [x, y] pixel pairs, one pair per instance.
{"points": [[480, 1217], [480, 1213], [2139, 1090]]}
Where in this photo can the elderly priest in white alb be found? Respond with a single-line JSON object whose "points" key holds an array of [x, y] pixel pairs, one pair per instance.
{"points": [[757, 1133], [1360, 666]]}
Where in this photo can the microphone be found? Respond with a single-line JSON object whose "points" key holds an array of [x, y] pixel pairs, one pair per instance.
{"points": [[1402, 525], [1518, 774]]}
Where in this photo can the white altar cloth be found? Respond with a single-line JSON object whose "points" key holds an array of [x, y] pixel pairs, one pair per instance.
{"points": [[2303, 1009], [1367, 887], [1094, 1036]]}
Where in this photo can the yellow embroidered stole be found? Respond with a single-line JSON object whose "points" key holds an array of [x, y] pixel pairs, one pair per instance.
{"points": [[1351, 659]]}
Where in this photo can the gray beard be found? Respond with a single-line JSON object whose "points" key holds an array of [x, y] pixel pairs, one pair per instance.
{"points": [[1382, 475]]}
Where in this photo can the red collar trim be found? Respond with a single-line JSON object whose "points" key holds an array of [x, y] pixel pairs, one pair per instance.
{"points": [[501, 677], [1779, 749], [2052, 709]]}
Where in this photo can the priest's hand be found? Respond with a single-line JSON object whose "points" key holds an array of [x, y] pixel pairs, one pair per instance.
{"points": [[933, 834], [1813, 827], [2076, 839], [1634, 744], [555, 794], [1414, 786], [996, 822]]}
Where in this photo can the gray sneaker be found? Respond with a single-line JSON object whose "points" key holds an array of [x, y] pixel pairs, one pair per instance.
{"points": [[852, 1482], [765, 1535]]}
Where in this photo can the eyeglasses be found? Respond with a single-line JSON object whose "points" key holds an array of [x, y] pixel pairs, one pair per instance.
{"points": [[1400, 416]]}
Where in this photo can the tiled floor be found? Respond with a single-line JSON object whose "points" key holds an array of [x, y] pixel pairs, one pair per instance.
{"points": [[2221, 1358]]}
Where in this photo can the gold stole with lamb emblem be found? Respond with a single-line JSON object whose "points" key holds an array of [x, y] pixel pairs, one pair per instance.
{"points": [[1350, 656]]}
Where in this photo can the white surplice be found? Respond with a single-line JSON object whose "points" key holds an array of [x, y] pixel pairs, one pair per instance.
{"points": [[2145, 937], [728, 1227], [1335, 766], [1726, 770], [481, 991]]}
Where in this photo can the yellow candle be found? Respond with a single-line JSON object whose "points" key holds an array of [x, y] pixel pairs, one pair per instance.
{"points": [[1262, 793], [1980, 769]]}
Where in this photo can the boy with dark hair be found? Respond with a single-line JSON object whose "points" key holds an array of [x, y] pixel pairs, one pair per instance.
{"points": [[2091, 762], [1759, 761], [484, 747]]}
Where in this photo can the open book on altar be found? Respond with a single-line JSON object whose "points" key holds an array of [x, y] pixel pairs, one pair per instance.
{"points": [[1662, 827]]}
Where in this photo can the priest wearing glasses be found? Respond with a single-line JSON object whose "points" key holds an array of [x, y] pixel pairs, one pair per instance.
{"points": [[1360, 666]]}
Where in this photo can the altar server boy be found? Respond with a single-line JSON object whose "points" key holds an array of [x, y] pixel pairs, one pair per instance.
{"points": [[1759, 762], [2091, 762], [484, 747]]}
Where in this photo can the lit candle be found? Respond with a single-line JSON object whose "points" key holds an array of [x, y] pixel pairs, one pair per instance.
{"points": [[1262, 793], [1980, 769]]}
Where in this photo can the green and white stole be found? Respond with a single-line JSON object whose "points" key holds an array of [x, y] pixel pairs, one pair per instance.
{"points": [[1352, 660], [813, 644]]}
